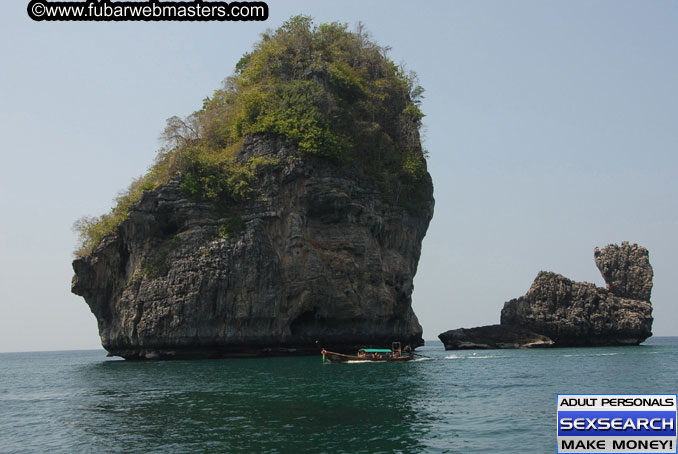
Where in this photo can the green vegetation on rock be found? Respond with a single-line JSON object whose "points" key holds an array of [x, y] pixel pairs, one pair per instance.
{"points": [[222, 183], [233, 226], [92, 230], [332, 91], [157, 265]]}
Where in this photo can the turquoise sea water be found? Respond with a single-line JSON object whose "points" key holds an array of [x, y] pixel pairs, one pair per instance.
{"points": [[456, 402]]}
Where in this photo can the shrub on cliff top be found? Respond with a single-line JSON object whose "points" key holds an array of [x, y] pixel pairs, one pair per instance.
{"points": [[332, 91]]}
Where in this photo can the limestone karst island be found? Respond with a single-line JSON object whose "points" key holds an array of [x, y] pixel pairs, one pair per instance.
{"points": [[557, 311], [289, 209]]}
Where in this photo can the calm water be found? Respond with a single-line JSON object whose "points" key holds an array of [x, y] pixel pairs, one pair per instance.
{"points": [[456, 402]]}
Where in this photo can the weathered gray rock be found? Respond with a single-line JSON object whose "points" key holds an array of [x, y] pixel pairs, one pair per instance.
{"points": [[626, 270], [578, 313], [493, 336], [323, 257]]}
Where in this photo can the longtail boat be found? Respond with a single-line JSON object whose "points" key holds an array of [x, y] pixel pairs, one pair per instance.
{"points": [[395, 353]]}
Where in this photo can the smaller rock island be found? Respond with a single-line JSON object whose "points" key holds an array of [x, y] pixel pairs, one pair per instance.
{"points": [[493, 336], [559, 312]]}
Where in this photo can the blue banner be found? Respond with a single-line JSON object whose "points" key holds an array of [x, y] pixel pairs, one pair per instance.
{"points": [[617, 423]]}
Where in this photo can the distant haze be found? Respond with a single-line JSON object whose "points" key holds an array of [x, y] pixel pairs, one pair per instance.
{"points": [[551, 128]]}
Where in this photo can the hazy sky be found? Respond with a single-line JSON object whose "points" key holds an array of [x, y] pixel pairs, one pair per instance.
{"points": [[552, 128]]}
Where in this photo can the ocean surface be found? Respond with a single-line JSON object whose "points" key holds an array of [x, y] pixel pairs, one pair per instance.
{"points": [[451, 402]]}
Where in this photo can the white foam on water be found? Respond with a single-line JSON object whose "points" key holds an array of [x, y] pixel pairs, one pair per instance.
{"points": [[591, 354], [474, 356]]}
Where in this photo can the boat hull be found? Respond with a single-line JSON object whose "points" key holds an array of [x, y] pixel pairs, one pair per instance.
{"points": [[341, 358]]}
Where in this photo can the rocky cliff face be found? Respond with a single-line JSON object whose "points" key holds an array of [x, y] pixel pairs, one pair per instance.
{"points": [[322, 257], [581, 314], [626, 270]]}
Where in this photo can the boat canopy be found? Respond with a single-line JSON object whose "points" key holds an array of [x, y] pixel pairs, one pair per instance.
{"points": [[376, 350]]}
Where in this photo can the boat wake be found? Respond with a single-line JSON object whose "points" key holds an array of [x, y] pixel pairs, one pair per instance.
{"points": [[591, 354], [474, 356]]}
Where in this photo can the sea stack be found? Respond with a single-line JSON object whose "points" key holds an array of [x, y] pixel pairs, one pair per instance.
{"points": [[581, 314], [267, 226], [557, 311], [626, 270]]}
